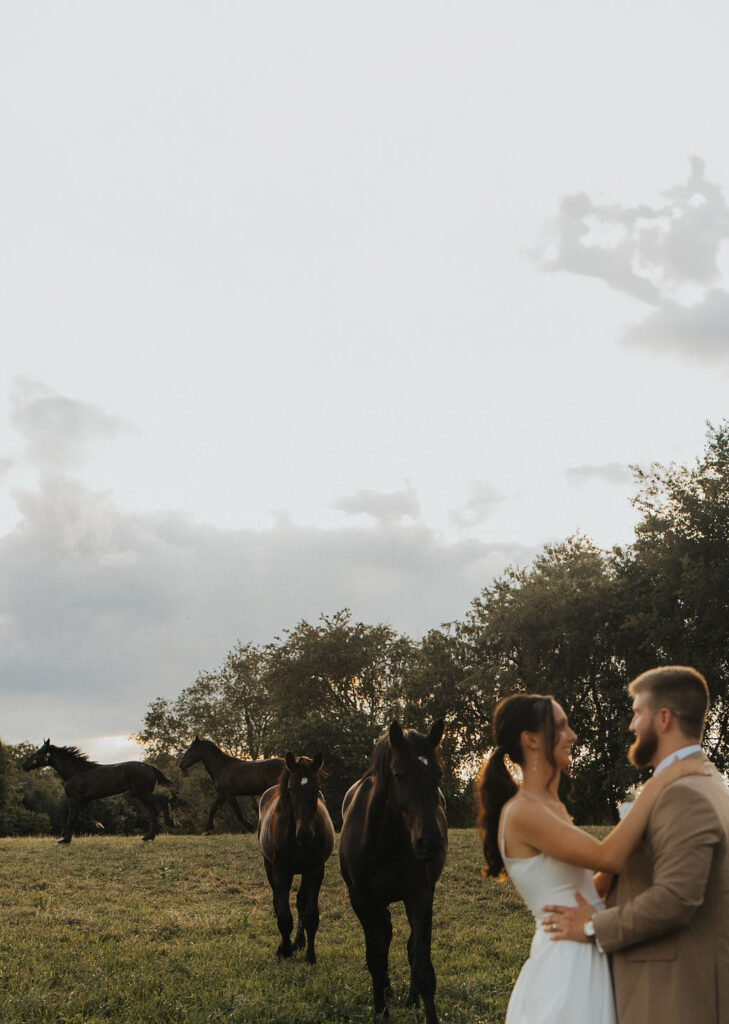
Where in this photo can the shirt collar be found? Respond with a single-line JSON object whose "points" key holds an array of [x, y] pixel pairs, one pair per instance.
{"points": [[677, 755]]}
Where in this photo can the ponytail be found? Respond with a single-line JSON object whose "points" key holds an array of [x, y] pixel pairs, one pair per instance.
{"points": [[494, 786]]}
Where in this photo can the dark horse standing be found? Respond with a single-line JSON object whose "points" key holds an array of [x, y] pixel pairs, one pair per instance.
{"points": [[86, 780], [393, 847], [296, 837], [232, 776]]}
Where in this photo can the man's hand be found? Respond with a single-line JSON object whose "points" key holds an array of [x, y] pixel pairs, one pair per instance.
{"points": [[568, 922]]}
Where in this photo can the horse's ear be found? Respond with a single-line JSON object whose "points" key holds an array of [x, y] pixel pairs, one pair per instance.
{"points": [[436, 732], [290, 762], [317, 762], [397, 736]]}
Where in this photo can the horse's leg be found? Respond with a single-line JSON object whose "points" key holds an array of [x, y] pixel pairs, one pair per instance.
{"points": [[388, 940], [151, 807], [210, 823], [422, 975], [300, 939], [307, 905], [71, 821], [164, 802], [280, 882], [377, 929], [246, 825]]}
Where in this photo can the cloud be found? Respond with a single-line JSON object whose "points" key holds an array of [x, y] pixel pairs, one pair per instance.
{"points": [[699, 333], [385, 507], [57, 429], [666, 256], [608, 472], [5, 466], [101, 609], [479, 506]]}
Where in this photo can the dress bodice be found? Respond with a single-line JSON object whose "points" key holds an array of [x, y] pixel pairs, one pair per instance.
{"points": [[543, 879]]}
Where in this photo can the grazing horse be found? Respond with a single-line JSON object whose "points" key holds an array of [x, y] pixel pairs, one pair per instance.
{"points": [[393, 847], [296, 836], [86, 780], [232, 777]]}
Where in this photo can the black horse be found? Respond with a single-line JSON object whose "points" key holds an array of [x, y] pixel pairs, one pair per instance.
{"points": [[232, 777], [86, 780], [393, 847], [296, 837]]}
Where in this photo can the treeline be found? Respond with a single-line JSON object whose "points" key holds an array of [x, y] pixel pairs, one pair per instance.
{"points": [[579, 622]]}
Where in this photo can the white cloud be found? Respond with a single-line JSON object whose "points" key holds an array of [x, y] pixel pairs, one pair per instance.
{"points": [[699, 333], [385, 507], [101, 610], [607, 472], [57, 429], [481, 502], [5, 466], [667, 256]]}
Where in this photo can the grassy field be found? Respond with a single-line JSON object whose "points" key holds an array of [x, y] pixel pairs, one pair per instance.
{"points": [[181, 931]]}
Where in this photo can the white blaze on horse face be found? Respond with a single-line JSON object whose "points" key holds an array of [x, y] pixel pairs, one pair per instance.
{"points": [[304, 782], [423, 760]]}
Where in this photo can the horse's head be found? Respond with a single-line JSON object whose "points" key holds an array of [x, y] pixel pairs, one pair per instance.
{"points": [[415, 772], [40, 758], [192, 755], [302, 782]]}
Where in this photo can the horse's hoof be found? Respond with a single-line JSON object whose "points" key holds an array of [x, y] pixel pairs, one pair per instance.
{"points": [[63, 842], [284, 952], [147, 839]]}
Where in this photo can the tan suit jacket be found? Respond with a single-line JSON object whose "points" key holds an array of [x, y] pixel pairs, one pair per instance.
{"points": [[667, 922]]}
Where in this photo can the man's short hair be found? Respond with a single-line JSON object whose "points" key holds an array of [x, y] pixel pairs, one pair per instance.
{"points": [[679, 688]]}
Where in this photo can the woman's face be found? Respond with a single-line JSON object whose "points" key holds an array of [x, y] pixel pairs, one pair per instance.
{"points": [[564, 737]]}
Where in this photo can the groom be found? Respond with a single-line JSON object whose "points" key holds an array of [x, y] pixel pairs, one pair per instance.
{"points": [[667, 922]]}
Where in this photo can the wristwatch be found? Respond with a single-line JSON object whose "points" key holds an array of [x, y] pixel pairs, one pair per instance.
{"points": [[589, 928]]}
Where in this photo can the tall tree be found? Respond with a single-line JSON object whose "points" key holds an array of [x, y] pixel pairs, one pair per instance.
{"points": [[675, 577]]}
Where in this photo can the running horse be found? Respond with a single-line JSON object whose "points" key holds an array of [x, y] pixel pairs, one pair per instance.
{"points": [[393, 847], [296, 836], [232, 776], [86, 780]]}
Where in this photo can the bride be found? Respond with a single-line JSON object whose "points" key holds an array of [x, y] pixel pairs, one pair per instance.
{"points": [[527, 831]]}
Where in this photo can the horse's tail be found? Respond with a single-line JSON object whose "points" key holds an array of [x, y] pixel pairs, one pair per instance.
{"points": [[160, 777]]}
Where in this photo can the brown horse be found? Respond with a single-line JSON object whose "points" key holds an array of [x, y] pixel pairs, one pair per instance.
{"points": [[232, 777], [86, 780], [393, 847], [296, 836]]}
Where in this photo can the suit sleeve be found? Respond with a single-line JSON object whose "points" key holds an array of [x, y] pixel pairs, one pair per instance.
{"points": [[683, 831]]}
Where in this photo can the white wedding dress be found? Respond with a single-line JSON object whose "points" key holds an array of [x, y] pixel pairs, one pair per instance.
{"points": [[561, 982]]}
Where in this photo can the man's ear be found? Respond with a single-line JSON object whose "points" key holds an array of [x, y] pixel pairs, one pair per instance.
{"points": [[664, 720]]}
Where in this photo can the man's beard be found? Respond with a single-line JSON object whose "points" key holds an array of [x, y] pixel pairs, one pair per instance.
{"points": [[643, 748]]}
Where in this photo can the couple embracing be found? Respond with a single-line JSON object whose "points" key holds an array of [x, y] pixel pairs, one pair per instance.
{"points": [[657, 904]]}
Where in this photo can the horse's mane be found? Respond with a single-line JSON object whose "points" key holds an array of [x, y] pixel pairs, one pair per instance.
{"points": [[77, 755]]}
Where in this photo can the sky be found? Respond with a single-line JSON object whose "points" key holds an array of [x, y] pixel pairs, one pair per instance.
{"points": [[324, 305]]}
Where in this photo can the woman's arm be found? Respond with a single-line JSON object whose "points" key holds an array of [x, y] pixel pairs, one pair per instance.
{"points": [[537, 826]]}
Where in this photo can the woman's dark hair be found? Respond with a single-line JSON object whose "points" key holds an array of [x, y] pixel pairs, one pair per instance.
{"points": [[495, 783]]}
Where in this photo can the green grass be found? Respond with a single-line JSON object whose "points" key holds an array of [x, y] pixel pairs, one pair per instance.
{"points": [[181, 931]]}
